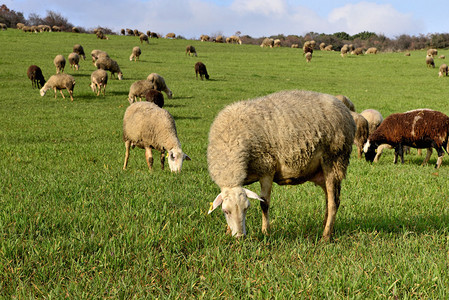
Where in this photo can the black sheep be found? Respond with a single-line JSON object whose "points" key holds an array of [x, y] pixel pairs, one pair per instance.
{"points": [[35, 75], [200, 69]]}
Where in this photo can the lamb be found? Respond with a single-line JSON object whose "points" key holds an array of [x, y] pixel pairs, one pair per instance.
{"points": [[260, 140], [59, 82], [135, 54], [144, 38], [97, 54], [346, 102], [191, 50], [443, 70], [77, 48], [35, 75], [156, 97], [110, 65], [98, 79], [361, 133], [159, 84], [138, 89], [74, 60], [429, 61], [200, 69], [148, 126], [420, 128], [59, 63], [372, 50], [308, 57]]}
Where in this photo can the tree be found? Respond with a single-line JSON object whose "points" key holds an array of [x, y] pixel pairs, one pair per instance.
{"points": [[56, 19]]}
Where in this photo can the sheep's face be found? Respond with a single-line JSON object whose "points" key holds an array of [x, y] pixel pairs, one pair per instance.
{"points": [[120, 76], [370, 150], [43, 91], [234, 203], [175, 159]]}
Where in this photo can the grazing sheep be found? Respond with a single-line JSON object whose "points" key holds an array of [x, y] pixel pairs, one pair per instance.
{"points": [[346, 102], [328, 48], [59, 82], [308, 47], [233, 39], [98, 79], [407, 54], [322, 46], [74, 60], [432, 52], [98, 53], [361, 133], [344, 50], [122, 31], [35, 75], [219, 39], [430, 62], [372, 50], [156, 97], [443, 70], [277, 43], [138, 89], [200, 69], [191, 50], [110, 65], [267, 42], [129, 31], [295, 45], [420, 128], [135, 54], [357, 51], [144, 38], [204, 38], [442, 57], [373, 117], [148, 126], [59, 63], [3, 26], [170, 35], [159, 84], [308, 57], [77, 48], [289, 137]]}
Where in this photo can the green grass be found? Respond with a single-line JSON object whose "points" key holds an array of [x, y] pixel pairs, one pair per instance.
{"points": [[74, 224]]}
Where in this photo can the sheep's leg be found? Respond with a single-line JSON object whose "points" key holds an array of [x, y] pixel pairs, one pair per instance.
{"points": [[54, 89], [149, 157], [440, 157], [62, 94], [428, 154], [266, 184], [162, 158], [332, 191], [401, 153], [71, 94], [127, 146]]}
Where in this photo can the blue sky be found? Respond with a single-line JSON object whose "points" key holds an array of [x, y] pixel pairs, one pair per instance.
{"points": [[257, 18]]}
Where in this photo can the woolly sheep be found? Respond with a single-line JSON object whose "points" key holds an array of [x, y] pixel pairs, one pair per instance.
{"points": [[361, 133], [138, 89], [373, 117], [148, 126], [110, 65], [74, 60], [204, 38], [200, 69], [191, 50], [372, 50], [443, 70], [322, 46], [98, 79], [159, 84], [261, 140], [135, 54], [295, 45], [154, 35], [155, 96], [328, 48], [97, 53], [3, 26], [357, 51], [344, 50], [59, 82], [277, 43], [59, 63], [219, 39], [442, 57], [420, 128], [307, 47], [346, 102], [429, 61], [233, 39], [432, 52], [34, 73], [170, 35], [308, 57], [144, 38], [267, 42], [77, 48]]}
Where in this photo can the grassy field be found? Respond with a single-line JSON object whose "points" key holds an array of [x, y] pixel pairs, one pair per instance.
{"points": [[74, 224]]}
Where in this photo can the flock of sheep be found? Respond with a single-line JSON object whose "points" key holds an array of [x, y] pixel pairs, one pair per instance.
{"points": [[259, 140]]}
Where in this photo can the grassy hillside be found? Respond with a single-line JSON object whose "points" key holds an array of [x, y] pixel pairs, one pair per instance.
{"points": [[74, 224]]}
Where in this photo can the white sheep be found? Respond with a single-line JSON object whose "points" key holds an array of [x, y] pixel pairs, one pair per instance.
{"points": [[98, 79], [361, 133], [346, 101], [77, 48], [59, 82], [95, 54], [148, 126], [373, 117], [288, 137], [443, 70], [159, 84], [59, 63], [138, 89], [429, 61], [135, 54], [74, 60], [110, 65], [372, 50], [308, 56]]}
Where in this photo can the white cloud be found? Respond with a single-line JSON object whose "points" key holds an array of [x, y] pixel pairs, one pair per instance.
{"points": [[260, 7]]}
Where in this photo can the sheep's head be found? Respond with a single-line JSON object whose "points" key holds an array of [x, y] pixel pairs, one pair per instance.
{"points": [[175, 159], [169, 93], [234, 203], [43, 91], [120, 75], [370, 150]]}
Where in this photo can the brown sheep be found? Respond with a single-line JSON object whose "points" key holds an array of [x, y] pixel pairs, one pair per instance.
{"points": [[191, 50], [155, 96], [35, 75], [200, 69]]}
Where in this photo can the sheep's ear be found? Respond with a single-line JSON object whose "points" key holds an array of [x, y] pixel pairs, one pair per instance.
{"points": [[252, 195], [217, 202], [187, 157]]}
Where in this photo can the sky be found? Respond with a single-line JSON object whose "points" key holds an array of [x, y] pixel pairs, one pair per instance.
{"points": [[256, 18]]}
